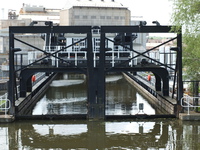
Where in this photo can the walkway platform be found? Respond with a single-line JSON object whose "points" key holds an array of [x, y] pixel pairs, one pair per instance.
{"points": [[193, 116], [6, 118]]}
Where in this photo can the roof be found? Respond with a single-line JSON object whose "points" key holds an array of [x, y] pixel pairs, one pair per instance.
{"points": [[93, 3]]}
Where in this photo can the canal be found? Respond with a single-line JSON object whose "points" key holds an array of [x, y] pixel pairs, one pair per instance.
{"points": [[68, 96]]}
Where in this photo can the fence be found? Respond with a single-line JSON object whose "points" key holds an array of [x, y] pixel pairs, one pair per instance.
{"points": [[192, 87], [189, 102], [4, 103]]}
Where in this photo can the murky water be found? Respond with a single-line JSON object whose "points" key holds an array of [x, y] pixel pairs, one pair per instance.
{"points": [[121, 98], [164, 134], [70, 96]]}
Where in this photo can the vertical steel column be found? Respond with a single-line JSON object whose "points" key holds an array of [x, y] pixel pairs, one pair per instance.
{"points": [[11, 91], [179, 69], [101, 78], [91, 90], [158, 82], [29, 84], [96, 81]]}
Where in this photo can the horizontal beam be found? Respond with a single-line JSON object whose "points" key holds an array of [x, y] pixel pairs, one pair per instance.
{"points": [[136, 29], [49, 29], [87, 29], [137, 68], [76, 117], [56, 70]]}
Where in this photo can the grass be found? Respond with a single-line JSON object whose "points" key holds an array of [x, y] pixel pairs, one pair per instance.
{"points": [[2, 102]]}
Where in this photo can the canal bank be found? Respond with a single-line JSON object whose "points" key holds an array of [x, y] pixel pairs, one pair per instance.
{"points": [[165, 104], [122, 101], [165, 110], [193, 116], [23, 105]]}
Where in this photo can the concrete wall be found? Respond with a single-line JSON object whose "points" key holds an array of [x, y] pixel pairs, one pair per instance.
{"points": [[7, 23], [164, 104], [64, 17]]}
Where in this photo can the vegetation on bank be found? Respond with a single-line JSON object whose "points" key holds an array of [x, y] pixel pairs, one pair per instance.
{"points": [[186, 14]]}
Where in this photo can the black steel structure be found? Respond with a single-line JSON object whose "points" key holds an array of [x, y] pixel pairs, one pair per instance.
{"points": [[95, 74]]}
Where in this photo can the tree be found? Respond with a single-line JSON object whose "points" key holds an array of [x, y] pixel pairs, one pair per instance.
{"points": [[186, 13]]}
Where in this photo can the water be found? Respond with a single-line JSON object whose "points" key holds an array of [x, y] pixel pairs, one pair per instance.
{"points": [[67, 96], [122, 98], [159, 134]]}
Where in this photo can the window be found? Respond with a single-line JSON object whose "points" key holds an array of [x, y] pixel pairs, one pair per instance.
{"points": [[116, 17], [93, 17], [84, 17], [108, 17], [76, 48], [82, 43], [97, 44], [102, 17], [76, 17]]}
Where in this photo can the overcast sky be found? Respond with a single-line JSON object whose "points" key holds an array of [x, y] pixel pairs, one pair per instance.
{"points": [[150, 9]]}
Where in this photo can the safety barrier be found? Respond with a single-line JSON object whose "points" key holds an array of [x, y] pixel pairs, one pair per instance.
{"points": [[188, 102], [4, 103], [145, 76]]}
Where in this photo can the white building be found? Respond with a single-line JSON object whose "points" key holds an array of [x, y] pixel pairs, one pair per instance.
{"points": [[81, 12], [95, 13], [39, 13]]}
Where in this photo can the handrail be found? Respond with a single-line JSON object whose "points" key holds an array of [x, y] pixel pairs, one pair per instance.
{"points": [[187, 100], [144, 76], [4, 103]]}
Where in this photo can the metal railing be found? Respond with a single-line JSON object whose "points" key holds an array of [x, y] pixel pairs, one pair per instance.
{"points": [[188, 102], [4, 103], [39, 76], [144, 76]]}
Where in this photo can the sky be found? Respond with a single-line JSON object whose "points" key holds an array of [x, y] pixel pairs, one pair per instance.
{"points": [[151, 10]]}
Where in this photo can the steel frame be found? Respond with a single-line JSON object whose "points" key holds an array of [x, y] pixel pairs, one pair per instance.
{"points": [[95, 75]]}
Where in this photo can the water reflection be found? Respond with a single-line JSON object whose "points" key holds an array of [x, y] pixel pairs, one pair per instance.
{"points": [[70, 97], [165, 134], [123, 99]]}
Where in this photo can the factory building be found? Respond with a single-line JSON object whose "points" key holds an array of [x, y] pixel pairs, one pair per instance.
{"points": [[77, 13], [95, 13]]}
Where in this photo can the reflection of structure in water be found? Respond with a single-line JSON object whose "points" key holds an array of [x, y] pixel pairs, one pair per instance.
{"points": [[76, 134]]}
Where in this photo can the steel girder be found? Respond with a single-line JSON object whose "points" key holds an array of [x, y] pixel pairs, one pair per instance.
{"points": [[95, 76]]}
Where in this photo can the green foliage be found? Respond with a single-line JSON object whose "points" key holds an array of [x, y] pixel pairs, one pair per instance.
{"points": [[2, 102], [187, 14], [191, 56]]}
